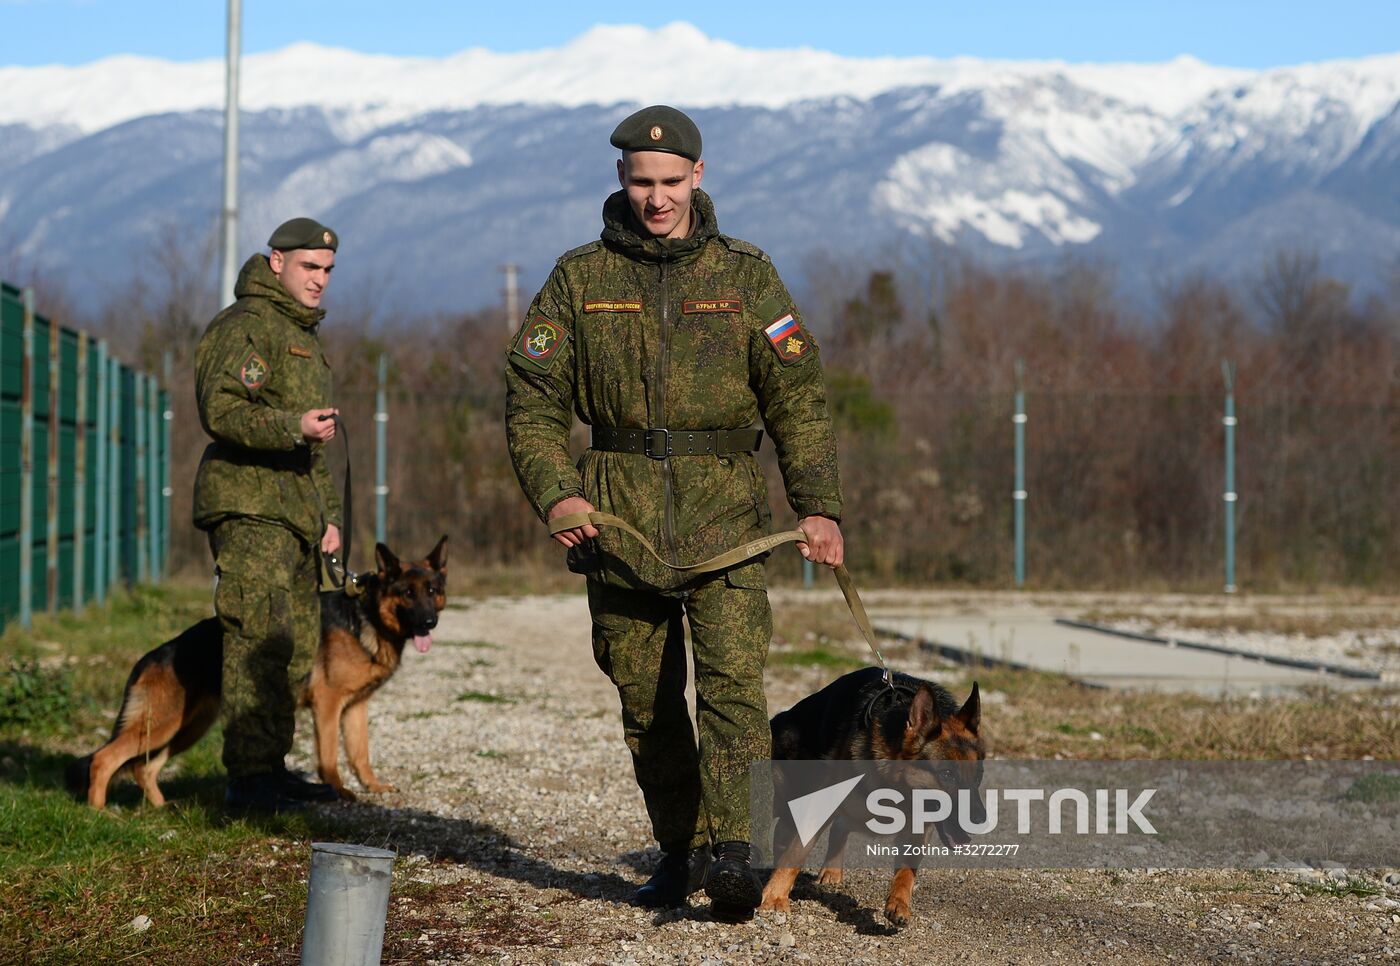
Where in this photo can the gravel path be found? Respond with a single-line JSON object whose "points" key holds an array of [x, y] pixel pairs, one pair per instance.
{"points": [[521, 834]]}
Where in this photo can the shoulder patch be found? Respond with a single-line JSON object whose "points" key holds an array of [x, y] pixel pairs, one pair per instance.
{"points": [[787, 339], [540, 341], [254, 371], [739, 245], [592, 246], [297, 350]]}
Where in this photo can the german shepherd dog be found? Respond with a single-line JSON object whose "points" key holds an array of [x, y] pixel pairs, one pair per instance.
{"points": [[858, 717], [172, 695]]}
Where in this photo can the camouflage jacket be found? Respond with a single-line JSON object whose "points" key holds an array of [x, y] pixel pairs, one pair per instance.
{"points": [[691, 334], [258, 368]]}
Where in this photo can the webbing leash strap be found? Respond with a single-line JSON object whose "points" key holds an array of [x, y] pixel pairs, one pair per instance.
{"points": [[729, 558], [338, 567]]}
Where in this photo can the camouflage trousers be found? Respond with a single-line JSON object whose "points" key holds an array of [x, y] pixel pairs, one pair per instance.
{"points": [[695, 793], [268, 604]]}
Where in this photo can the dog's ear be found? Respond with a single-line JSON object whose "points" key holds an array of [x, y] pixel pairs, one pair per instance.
{"points": [[923, 715], [438, 558], [970, 714], [388, 563]]}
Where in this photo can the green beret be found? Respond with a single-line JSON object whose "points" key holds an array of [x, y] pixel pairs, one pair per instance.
{"points": [[658, 128], [303, 233]]}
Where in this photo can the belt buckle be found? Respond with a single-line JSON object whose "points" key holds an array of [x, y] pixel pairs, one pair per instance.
{"points": [[663, 436]]}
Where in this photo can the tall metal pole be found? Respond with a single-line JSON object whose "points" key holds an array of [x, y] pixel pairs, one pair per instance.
{"points": [[230, 253], [166, 491], [1018, 496], [512, 296], [381, 454], [1227, 369]]}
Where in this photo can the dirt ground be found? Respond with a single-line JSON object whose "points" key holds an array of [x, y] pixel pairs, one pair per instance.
{"points": [[522, 834]]}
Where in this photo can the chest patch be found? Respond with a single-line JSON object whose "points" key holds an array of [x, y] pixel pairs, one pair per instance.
{"points": [[787, 338], [297, 350], [540, 340], [254, 371], [610, 305], [704, 306]]}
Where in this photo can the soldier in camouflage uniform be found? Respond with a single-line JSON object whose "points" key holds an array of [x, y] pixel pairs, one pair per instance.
{"points": [[671, 340], [264, 493]]}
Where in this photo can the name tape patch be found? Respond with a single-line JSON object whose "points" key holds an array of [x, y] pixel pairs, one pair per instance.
{"points": [[297, 350], [693, 306], [607, 305]]}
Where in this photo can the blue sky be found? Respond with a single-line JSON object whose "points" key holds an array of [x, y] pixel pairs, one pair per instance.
{"points": [[1236, 33]]}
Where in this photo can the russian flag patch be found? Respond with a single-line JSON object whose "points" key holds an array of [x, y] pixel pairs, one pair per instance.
{"points": [[786, 337]]}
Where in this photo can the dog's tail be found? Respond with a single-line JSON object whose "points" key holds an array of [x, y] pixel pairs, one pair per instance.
{"points": [[77, 776]]}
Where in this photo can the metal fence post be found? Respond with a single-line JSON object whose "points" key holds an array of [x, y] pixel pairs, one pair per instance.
{"points": [[153, 479], [114, 470], [167, 422], [1018, 496], [381, 454], [1227, 369], [51, 507], [26, 469], [80, 473], [99, 529], [139, 455]]}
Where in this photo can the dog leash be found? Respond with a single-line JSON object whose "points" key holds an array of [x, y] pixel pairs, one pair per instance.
{"points": [[337, 567], [729, 558]]}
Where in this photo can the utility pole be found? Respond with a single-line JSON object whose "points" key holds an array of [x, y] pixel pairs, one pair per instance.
{"points": [[512, 296], [229, 268]]}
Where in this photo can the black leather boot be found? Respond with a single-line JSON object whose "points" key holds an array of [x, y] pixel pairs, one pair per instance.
{"points": [[732, 885], [263, 792], [680, 872], [295, 785]]}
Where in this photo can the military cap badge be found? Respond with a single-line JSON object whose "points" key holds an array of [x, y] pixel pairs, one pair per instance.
{"points": [[326, 237], [656, 132]]}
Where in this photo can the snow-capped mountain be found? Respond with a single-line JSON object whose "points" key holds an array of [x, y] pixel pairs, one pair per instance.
{"points": [[436, 171]]}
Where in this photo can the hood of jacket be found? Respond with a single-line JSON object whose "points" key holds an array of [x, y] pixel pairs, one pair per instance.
{"points": [[257, 280], [621, 231]]}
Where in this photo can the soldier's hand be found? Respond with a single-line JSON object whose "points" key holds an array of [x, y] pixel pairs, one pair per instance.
{"points": [[576, 536], [330, 541], [824, 543], [317, 425]]}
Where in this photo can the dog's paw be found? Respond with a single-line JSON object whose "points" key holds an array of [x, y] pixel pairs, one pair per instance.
{"points": [[774, 904], [897, 913], [346, 795], [831, 876], [379, 788]]}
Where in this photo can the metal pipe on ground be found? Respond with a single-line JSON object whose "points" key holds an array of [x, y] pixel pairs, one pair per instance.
{"points": [[346, 904]]}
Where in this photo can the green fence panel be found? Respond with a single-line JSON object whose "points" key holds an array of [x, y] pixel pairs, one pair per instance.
{"points": [[94, 517]]}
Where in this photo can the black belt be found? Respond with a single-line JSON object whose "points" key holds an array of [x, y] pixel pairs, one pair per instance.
{"points": [[661, 443]]}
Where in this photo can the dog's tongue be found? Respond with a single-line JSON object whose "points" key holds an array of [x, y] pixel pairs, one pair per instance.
{"points": [[423, 642]]}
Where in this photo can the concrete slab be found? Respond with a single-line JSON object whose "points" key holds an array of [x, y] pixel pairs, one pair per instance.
{"points": [[1034, 640]]}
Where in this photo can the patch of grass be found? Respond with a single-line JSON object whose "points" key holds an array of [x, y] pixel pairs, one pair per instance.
{"points": [[1340, 889], [1374, 788], [484, 645], [815, 657], [485, 697], [489, 753], [1287, 622], [35, 696]]}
